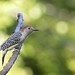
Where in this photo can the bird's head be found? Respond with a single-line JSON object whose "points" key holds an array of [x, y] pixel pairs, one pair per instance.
{"points": [[28, 29]]}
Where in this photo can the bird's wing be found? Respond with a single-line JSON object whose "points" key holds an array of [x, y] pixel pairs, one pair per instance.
{"points": [[12, 40]]}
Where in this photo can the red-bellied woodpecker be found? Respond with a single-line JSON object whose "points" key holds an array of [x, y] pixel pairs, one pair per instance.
{"points": [[15, 40]]}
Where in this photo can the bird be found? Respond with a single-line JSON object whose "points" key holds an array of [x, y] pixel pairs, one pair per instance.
{"points": [[16, 39]]}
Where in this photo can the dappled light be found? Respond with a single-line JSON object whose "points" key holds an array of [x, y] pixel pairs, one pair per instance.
{"points": [[62, 27], [35, 12], [71, 64], [51, 50]]}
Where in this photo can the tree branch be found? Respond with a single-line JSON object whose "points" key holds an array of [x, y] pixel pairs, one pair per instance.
{"points": [[20, 22], [16, 51]]}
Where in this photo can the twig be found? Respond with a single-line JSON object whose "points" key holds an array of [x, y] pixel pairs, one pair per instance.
{"points": [[16, 52]]}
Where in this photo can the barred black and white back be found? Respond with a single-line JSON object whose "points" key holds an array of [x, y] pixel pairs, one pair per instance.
{"points": [[10, 43], [16, 39]]}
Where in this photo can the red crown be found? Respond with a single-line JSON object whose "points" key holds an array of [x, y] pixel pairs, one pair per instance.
{"points": [[24, 28]]}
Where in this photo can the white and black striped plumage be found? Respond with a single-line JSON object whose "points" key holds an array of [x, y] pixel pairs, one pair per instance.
{"points": [[15, 39], [12, 40]]}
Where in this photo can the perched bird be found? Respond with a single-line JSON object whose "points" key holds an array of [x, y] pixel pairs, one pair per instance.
{"points": [[15, 40]]}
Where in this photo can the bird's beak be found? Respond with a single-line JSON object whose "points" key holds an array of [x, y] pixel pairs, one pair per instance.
{"points": [[35, 29]]}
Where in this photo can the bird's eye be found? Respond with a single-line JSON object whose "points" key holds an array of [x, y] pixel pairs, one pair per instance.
{"points": [[28, 28]]}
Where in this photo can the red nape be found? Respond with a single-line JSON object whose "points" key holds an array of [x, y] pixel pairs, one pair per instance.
{"points": [[24, 28]]}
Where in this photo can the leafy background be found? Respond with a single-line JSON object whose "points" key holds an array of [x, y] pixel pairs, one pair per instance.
{"points": [[51, 51]]}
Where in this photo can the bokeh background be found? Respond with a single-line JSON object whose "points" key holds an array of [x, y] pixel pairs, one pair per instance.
{"points": [[51, 51]]}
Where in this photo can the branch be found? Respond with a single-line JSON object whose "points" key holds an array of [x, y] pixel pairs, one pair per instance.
{"points": [[16, 51], [20, 22]]}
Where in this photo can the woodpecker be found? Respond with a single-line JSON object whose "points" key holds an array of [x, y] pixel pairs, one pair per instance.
{"points": [[16, 39]]}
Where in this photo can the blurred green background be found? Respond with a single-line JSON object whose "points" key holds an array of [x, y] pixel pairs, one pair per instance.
{"points": [[51, 51]]}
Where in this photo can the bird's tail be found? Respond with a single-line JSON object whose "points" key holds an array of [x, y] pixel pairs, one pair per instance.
{"points": [[3, 56]]}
